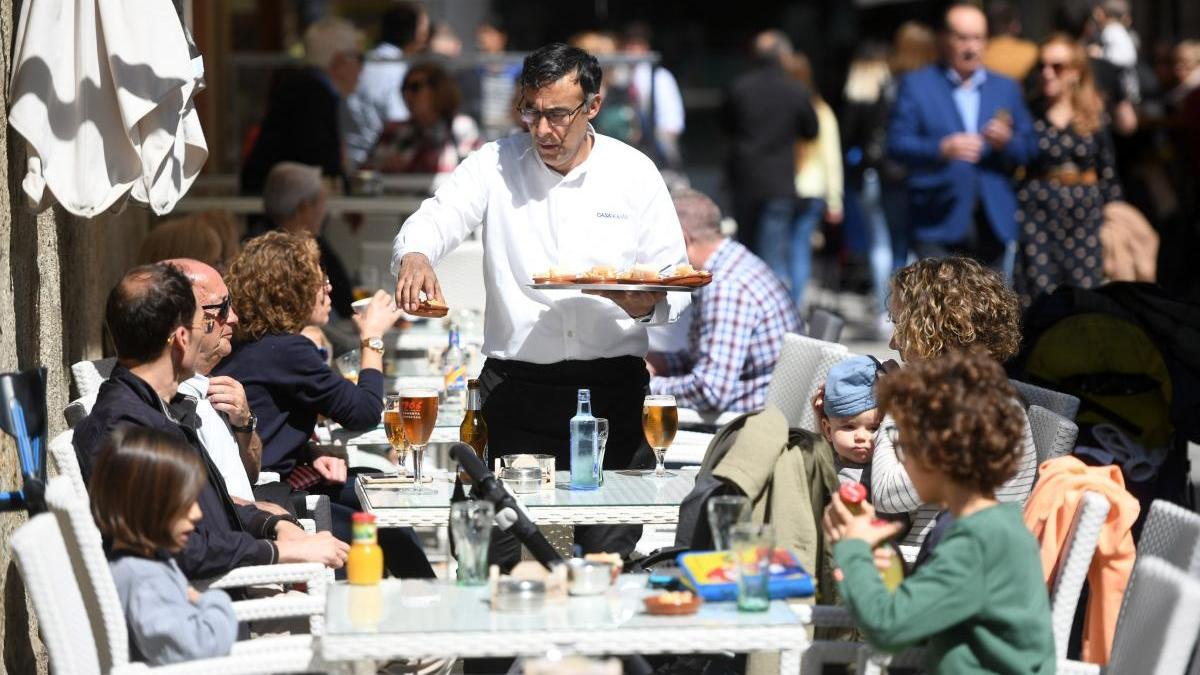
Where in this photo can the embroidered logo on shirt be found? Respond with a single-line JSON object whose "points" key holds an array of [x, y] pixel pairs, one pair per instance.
{"points": [[611, 215]]}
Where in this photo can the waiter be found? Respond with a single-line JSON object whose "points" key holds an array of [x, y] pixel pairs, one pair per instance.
{"points": [[563, 196]]}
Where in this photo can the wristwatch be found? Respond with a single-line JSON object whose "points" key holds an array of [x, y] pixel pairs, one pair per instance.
{"points": [[374, 344], [251, 425], [645, 318]]}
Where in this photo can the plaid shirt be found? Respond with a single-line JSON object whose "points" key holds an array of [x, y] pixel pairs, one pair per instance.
{"points": [[737, 330]]}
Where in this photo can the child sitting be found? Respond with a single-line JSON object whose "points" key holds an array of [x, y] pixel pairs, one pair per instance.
{"points": [[980, 599], [850, 418], [144, 487]]}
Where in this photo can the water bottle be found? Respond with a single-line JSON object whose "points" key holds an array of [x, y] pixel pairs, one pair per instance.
{"points": [[585, 450], [454, 370]]}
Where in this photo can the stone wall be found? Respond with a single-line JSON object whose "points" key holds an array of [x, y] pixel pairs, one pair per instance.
{"points": [[55, 271]]}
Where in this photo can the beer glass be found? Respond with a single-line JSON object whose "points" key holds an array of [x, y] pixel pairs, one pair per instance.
{"points": [[660, 420], [418, 416], [394, 426]]}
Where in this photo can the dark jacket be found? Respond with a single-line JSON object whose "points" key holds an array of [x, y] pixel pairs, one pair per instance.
{"points": [[943, 194], [764, 114], [288, 384], [228, 536], [301, 125]]}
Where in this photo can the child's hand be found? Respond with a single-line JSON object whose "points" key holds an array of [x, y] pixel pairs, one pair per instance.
{"points": [[839, 523], [193, 595]]}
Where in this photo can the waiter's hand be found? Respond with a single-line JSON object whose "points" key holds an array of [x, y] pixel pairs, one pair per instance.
{"points": [[635, 303], [416, 275]]}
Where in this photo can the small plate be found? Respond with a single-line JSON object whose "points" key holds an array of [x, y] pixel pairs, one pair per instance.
{"points": [[661, 605]]}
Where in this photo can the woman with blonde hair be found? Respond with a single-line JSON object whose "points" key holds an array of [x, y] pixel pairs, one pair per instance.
{"points": [[277, 288], [1069, 182]]}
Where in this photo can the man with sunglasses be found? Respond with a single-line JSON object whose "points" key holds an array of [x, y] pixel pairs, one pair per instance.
{"points": [[560, 195]]}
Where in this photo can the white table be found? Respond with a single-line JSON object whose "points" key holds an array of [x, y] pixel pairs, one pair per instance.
{"points": [[423, 619], [622, 500]]}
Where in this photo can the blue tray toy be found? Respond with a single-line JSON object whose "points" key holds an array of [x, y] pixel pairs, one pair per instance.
{"points": [[710, 574]]}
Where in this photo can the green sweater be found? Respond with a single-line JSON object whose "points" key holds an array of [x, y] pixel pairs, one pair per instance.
{"points": [[979, 599]]}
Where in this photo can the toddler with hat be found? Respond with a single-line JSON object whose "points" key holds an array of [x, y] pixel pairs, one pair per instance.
{"points": [[850, 416]]}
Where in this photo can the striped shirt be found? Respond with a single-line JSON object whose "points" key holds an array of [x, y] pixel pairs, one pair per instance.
{"points": [[737, 330], [892, 491]]}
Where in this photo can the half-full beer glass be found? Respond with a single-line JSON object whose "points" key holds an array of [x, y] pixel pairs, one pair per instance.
{"points": [[418, 416], [393, 424], [660, 420]]}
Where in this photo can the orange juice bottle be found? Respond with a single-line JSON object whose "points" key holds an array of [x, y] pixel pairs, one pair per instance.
{"points": [[853, 495], [364, 566]]}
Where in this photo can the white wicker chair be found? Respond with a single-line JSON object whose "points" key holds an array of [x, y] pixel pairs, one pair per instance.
{"points": [[1057, 402], [1173, 534], [802, 366], [83, 626], [69, 488], [1158, 626], [1053, 434], [1073, 565]]}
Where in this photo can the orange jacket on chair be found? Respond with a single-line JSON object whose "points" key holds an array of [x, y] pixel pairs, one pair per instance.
{"points": [[1049, 513]]}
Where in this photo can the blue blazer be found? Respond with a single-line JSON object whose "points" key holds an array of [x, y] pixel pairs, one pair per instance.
{"points": [[943, 194]]}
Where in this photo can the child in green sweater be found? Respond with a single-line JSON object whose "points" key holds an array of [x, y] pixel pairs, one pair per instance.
{"points": [[979, 602]]}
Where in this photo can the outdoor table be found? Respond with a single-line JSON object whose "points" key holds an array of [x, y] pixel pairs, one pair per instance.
{"points": [[425, 619], [624, 499]]}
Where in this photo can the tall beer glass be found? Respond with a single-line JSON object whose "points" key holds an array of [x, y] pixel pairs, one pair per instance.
{"points": [[660, 420], [418, 416], [394, 426]]}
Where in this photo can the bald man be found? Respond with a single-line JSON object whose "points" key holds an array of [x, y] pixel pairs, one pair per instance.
{"points": [[962, 130], [738, 321]]}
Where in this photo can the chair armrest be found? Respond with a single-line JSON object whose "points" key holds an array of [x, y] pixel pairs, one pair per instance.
{"points": [[831, 616], [316, 575], [278, 607], [282, 654], [1066, 667]]}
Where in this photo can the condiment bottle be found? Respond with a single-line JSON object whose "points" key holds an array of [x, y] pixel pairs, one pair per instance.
{"points": [[853, 495], [364, 565]]}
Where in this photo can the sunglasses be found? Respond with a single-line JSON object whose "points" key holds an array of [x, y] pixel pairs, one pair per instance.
{"points": [[1058, 67], [415, 86], [221, 308]]}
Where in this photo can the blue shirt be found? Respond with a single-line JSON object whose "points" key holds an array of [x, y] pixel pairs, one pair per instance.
{"points": [[966, 97]]}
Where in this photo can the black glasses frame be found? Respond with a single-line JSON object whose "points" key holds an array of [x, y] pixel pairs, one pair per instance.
{"points": [[221, 308], [531, 116]]}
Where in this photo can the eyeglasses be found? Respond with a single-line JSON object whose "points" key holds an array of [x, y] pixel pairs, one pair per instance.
{"points": [[1057, 67], [414, 86], [556, 117], [894, 436], [221, 308]]}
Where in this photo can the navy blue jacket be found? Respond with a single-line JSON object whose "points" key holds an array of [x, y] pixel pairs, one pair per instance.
{"points": [[288, 384], [228, 535], [943, 194]]}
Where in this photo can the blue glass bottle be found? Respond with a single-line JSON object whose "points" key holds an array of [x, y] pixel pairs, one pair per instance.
{"points": [[584, 447]]}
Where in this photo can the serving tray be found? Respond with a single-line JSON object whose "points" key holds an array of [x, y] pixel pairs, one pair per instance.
{"points": [[610, 287]]}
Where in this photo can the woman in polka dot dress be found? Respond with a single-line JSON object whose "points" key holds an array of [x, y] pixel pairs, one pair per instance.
{"points": [[1070, 181]]}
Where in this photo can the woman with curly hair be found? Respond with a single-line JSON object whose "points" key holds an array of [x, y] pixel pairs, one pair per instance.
{"points": [[940, 306], [980, 599], [277, 288]]}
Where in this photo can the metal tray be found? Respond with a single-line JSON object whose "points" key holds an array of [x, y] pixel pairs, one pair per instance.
{"points": [[611, 287]]}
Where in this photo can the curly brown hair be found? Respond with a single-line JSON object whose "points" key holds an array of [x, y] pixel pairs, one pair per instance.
{"points": [[943, 304], [957, 414], [273, 284]]}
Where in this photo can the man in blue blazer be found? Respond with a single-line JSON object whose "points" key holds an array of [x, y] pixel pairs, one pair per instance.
{"points": [[962, 130]]}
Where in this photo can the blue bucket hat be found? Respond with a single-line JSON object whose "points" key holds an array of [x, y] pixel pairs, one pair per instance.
{"points": [[850, 387]]}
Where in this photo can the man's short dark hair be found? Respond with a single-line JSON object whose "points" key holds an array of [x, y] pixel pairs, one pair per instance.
{"points": [[145, 307], [1001, 16], [399, 24], [551, 63]]}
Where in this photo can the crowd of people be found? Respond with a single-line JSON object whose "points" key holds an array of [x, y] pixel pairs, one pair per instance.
{"points": [[985, 170]]}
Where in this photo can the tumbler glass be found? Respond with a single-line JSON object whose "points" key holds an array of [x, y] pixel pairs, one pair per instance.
{"points": [[471, 527], [601, 441], [752, 547], [724, 512]]}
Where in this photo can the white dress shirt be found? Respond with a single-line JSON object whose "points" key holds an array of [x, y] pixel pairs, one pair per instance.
{"points": [[613, 209], [376, 101], [218, 440]]}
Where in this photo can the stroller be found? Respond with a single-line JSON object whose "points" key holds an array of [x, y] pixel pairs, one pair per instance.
{"points": [[1131, 353]]}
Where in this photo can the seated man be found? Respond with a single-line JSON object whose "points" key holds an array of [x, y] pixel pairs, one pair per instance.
{"points": [[738, 321], [158, 330]]}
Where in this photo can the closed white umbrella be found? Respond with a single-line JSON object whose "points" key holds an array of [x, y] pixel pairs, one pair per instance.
{"points": [[103, 94]]}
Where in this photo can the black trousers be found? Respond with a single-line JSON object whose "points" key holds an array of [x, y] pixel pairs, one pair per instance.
{"points": [[528, 408]]}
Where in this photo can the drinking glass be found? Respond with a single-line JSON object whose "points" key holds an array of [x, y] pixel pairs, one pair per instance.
{"points": [[660, 421], [348, 364], [393, 424], [418, 415], [725, 511], [601, 442], [752, 546], [471, 527]]}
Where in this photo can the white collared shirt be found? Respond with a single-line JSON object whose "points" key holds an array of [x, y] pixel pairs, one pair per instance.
{"points": [[218, 440], [613, 209]]}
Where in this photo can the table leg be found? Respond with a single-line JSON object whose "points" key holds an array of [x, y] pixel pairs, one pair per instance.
{"points": [[789, 661]]}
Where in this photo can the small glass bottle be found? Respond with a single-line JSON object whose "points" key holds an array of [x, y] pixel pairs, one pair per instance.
{"points": [[584, 449], [473, 431], [364, 566], [853, 495]]}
